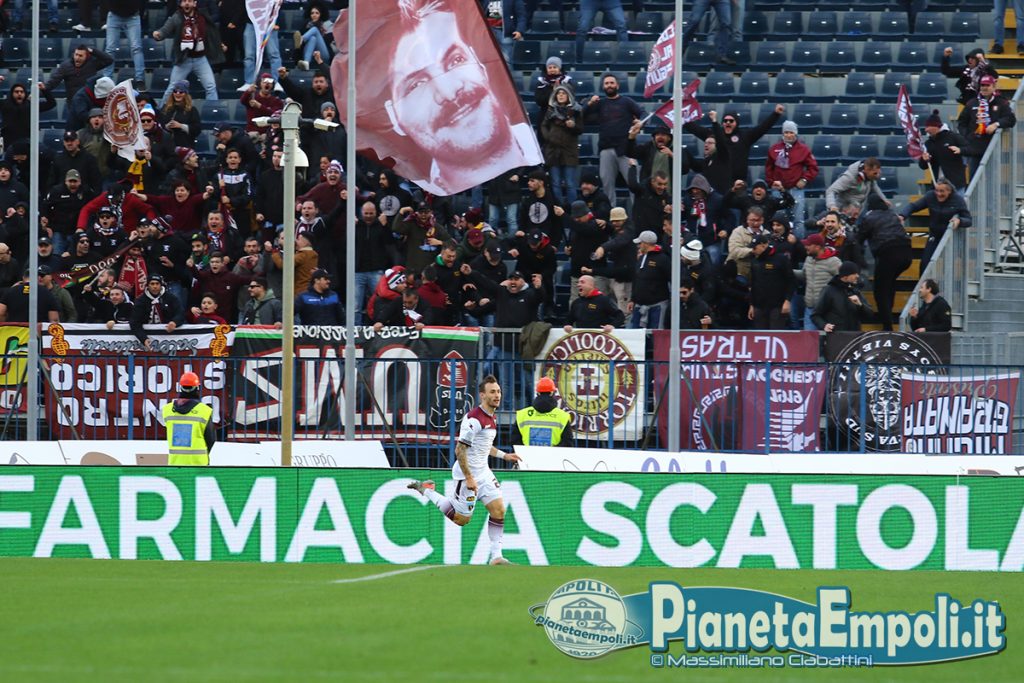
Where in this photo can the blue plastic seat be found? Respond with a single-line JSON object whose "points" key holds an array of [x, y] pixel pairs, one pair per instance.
{"points": [[718, 86], [861, 147], [588, 146], [892, 26], [16, 52], [759, 154], [633, 56], [787, 25], [215, 111], [563, 49], [154, 53], [913, 54], [821, 25], [844, 119], [161, 77], [891, 83], [739, 53], [755, 25], [808, 118], [789, 87], [815, 188], [965, 26], [840, 57], [860, 87], [52, 138], [806, 56], [598, 55], [770, 54], [894, 151], [231, 78], [930, 26], [525, 54], [876, 57], [699, 56], [880, 119], [545, 24], [856, 26], [931, 87], [827, 149], [51, 51], [649, 22], [754, 87]]}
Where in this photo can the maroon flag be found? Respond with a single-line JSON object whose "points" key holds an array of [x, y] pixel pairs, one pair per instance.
{"points": [[662, 61], [690, 108], [905, 112], [435, 99]]}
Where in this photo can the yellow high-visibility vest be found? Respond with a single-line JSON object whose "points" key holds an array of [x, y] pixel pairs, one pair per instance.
{"points": [[186, 440], [541, 429]]}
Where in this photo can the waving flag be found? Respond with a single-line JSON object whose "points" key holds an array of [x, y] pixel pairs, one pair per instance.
{"points": [[263, 15], [690, 108], [662, 61], [435, 98], [905, 112], [122, 126]]}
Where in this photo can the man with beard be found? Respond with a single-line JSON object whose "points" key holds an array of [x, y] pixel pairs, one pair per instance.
{"points": [[313, 97], [76, 158], [655, 155], [15, 112], [390, 197], [538, 211], [593, 195], [156, 306], [61, 206], [738, 141], [195, 47], [327, 194], [442, 102], [615, 116], [84, 63], [91, 137]]}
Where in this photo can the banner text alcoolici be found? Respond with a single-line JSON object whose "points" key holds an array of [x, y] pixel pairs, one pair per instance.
{"points": [[718, 520]]}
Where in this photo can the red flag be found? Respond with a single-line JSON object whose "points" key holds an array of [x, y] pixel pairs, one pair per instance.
{"points": [[905, 112], [662, 61], [435, 99], [690, 108]]}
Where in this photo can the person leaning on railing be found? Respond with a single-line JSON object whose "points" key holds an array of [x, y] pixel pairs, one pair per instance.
{"points": [[934, 315]]}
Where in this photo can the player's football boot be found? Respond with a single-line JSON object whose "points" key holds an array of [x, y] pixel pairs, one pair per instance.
{"points": [[499, 560], [421, 486]]}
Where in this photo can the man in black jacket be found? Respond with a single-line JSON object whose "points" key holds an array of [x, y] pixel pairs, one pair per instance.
{"points": [[615, 115], [882, 228], [373, 241], [934, 315], [593, 308], [156, 306], [586, 237], [620, 254], [694, 312], [536, 255], [74, 157], [772, 284], [61, 207], [842, 307], [981, 117], [313, 97], [652, 278], [591, 193], [944, 152], [84, 63], [656, 155], [737, 140], [650, 199]]}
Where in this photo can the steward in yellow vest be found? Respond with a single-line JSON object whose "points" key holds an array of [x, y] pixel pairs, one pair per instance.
{"points": [[189, 424], [543, 423]]}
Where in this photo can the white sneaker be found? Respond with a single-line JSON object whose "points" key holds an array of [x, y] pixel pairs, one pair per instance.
{"points": [[302, 64], [80, 27], [242, 88], [104, 27], [278, 88]]}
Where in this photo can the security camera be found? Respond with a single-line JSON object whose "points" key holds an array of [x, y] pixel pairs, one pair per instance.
{"points": [[324, 124]]}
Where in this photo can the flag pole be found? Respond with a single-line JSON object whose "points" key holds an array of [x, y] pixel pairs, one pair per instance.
{"points": [[350, 232], [674, 365]]}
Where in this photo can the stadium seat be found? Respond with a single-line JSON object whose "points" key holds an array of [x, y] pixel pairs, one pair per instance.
{"points": [[913, 55], [807, 118], [789, 87], [860, 87], [588, 146], [889, 182], [754, 87], [931, 87], [155, 53], [526, 54], [806, 57], [821, 25], [15, 52], [584, 85], [739, 53], [844, 119], [856, 26], [649, 22], [216, 111], [892, 26], [718, 87], [891, 83], [633, 56], [755, 26], [880, 118], [545, 24], [895, 151], [759, 153], [161, 77], [840, 57], [771, 54], [291, 20], [598, 54], [965, 26], [787, 25], [563, 49], [570, 22], [700, 56], [827, 149], [52, 138], [231, 79], [930, 26], [876, 56], [815, 188], [51, 51]]}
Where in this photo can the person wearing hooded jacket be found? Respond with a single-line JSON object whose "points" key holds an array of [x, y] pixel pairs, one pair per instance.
{"points": [[655, 155], [968, 77], [16, 113], [842, 307], [561, 129], [702, 216], [93, 95], [385, 306], [883, 229], [543, 423], [944, 152]]}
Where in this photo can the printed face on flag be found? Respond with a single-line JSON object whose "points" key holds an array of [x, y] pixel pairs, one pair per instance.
{"points": [[433, 92]]}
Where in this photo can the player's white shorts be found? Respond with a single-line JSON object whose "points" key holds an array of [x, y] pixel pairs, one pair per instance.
{"points": [[464, 501]]}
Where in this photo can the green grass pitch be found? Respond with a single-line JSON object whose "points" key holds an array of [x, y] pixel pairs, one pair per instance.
{"points": [[93, 620]]}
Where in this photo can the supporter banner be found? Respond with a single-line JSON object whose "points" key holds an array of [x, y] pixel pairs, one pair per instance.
{"points": [[433, 91], [725, 389], [943, 414], [263, 15], [418, 379], [905, 113], [121, 123], [601, 380], [114, 388], [86, 273], [662, 61], [689, 110], [865, 382], [600, 519], [14, 346]]}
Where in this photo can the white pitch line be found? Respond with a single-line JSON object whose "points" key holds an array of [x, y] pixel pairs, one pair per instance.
{"points": [[374, 577]]}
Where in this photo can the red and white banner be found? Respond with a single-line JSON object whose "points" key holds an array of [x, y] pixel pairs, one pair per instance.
{"points": [[263, 15], [122, 126], [689, 110], [905, 112], [725, 390], [435, 98], [662, 61], [114, 388], [951, 415]]}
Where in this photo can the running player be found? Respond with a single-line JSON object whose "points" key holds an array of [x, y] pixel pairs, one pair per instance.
{"points": [[471, 472]]}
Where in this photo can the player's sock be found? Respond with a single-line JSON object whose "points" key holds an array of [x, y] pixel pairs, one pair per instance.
{"points": [[495, 530], [442, 503]]}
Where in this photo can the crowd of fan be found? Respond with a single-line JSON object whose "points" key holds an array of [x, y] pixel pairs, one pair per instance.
{"points": [[166, 236]]}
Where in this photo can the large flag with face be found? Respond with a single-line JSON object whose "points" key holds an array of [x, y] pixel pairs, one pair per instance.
{"points": [[905, 112], [662, 61], [263, 15], [689, 110], [435, 99], [122, 126]]}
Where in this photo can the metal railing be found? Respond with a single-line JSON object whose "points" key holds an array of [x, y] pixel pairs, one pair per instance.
{"points": [[996, 241]]}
